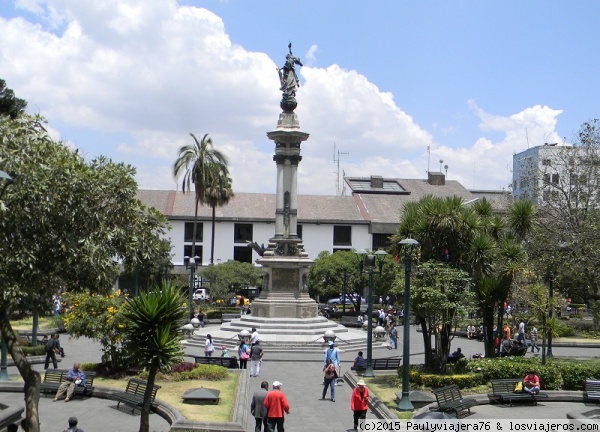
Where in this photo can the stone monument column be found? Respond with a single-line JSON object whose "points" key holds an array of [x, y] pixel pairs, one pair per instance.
{"points": [[285, 263]]}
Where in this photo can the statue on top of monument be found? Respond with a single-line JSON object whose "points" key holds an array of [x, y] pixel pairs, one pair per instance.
{"points": [[289, 80]]}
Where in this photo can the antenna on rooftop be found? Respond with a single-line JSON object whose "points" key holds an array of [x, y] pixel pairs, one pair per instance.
{"points": [[336, 160]]}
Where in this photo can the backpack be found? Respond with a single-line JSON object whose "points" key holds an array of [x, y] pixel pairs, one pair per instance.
{"points": [[50, 345]]}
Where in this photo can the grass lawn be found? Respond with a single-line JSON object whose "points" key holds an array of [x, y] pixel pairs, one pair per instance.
{"points": [[27, 323], [171, 393]]}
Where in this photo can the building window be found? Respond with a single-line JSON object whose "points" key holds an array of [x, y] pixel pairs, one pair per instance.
{"points": [[342, 235], [546, 162], [555, 179], [340, 249], [189, 232], [381, 241], [546, 178], [187, 251], [242, 233], [242, 254], [299, 231]]}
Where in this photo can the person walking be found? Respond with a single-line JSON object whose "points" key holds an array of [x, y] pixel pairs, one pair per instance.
{"points": [[533, 338], [393, 337], [256, 355], [276, 404], [255, 337], [51, 351], [209, 348], [521, 334], [243, 354], [359, 402], [333, 354], [328, 379], [258, 408]]}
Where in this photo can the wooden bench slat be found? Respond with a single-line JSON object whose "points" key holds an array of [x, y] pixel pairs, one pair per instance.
{"points": [[450, 399], [350, 321], [53, 378], [386, 364], [592, 389], [504, 390], [228, 362], [134, 394]]}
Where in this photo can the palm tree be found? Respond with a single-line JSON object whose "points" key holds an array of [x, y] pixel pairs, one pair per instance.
{"points": [[206, 167], [152, 334], [218, 194]]}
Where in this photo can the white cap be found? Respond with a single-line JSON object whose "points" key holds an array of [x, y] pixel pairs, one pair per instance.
{"points": [[277, 384]]}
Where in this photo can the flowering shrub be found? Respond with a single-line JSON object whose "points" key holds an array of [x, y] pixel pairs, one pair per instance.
{"points": [[98, 317]]}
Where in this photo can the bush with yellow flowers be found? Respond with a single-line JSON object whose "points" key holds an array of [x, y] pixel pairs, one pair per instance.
{"points": [[98, 317]]}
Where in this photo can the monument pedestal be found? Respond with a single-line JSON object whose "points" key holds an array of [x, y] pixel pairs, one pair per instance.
{"points": [[285, 289]]}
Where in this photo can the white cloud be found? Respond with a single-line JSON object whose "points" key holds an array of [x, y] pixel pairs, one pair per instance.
{"points": [[153, 72], [311, 55]]}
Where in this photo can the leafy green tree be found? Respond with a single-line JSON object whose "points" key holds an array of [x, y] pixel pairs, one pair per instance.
{"points": [[440, 296], [10, 104], [207, 169], [64, 223], [97, 317], [228, 278], [331, 272], [473, 239], [152, 335]]}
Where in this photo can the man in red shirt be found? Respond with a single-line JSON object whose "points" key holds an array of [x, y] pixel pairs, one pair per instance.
{"points": [[276, 404]]}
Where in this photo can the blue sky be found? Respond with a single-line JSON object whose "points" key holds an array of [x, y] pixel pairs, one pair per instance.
{"points": [[475, 81]]}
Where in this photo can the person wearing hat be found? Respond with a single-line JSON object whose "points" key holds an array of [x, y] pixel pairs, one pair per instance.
{"points": [[332, 354], [359, 402], [531, 382], [73, 425], [276, 404], [224, 351]]}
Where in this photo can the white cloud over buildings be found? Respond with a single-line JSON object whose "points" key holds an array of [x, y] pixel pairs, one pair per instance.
{"points": [[145, 75]]}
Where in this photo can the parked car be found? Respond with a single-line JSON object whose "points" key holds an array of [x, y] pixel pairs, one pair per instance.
{"points": [[348, 299], [201, 294]]}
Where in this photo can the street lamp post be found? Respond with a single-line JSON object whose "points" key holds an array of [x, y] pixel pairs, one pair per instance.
{"points": [[405, 403], [550, 312], [369, 261], [191, 264], [7, 180]]}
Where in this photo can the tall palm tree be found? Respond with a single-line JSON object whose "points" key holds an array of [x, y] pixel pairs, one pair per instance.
{"points": [[218, 194], [199, 163], [152, 334]]}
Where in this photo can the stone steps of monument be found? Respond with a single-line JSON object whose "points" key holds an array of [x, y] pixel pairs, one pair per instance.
{"points": [[317, 328], [316, 346]]}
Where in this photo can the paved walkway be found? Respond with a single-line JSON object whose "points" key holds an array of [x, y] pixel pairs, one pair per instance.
{"points": [[301, 374]]}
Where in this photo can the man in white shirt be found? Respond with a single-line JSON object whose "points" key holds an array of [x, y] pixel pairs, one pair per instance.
{"points": [[254, 337]]}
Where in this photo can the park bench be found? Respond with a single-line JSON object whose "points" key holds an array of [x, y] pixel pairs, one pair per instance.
{"points": [[503, 390], [449, 399], [53, 378], [134, 394], [592, 389], [386, 363], [350, 321], [9, 414], [228, 362], [229, 317]]}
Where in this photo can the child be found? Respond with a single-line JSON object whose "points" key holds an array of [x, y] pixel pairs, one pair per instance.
{"points": [[224, 351]]}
